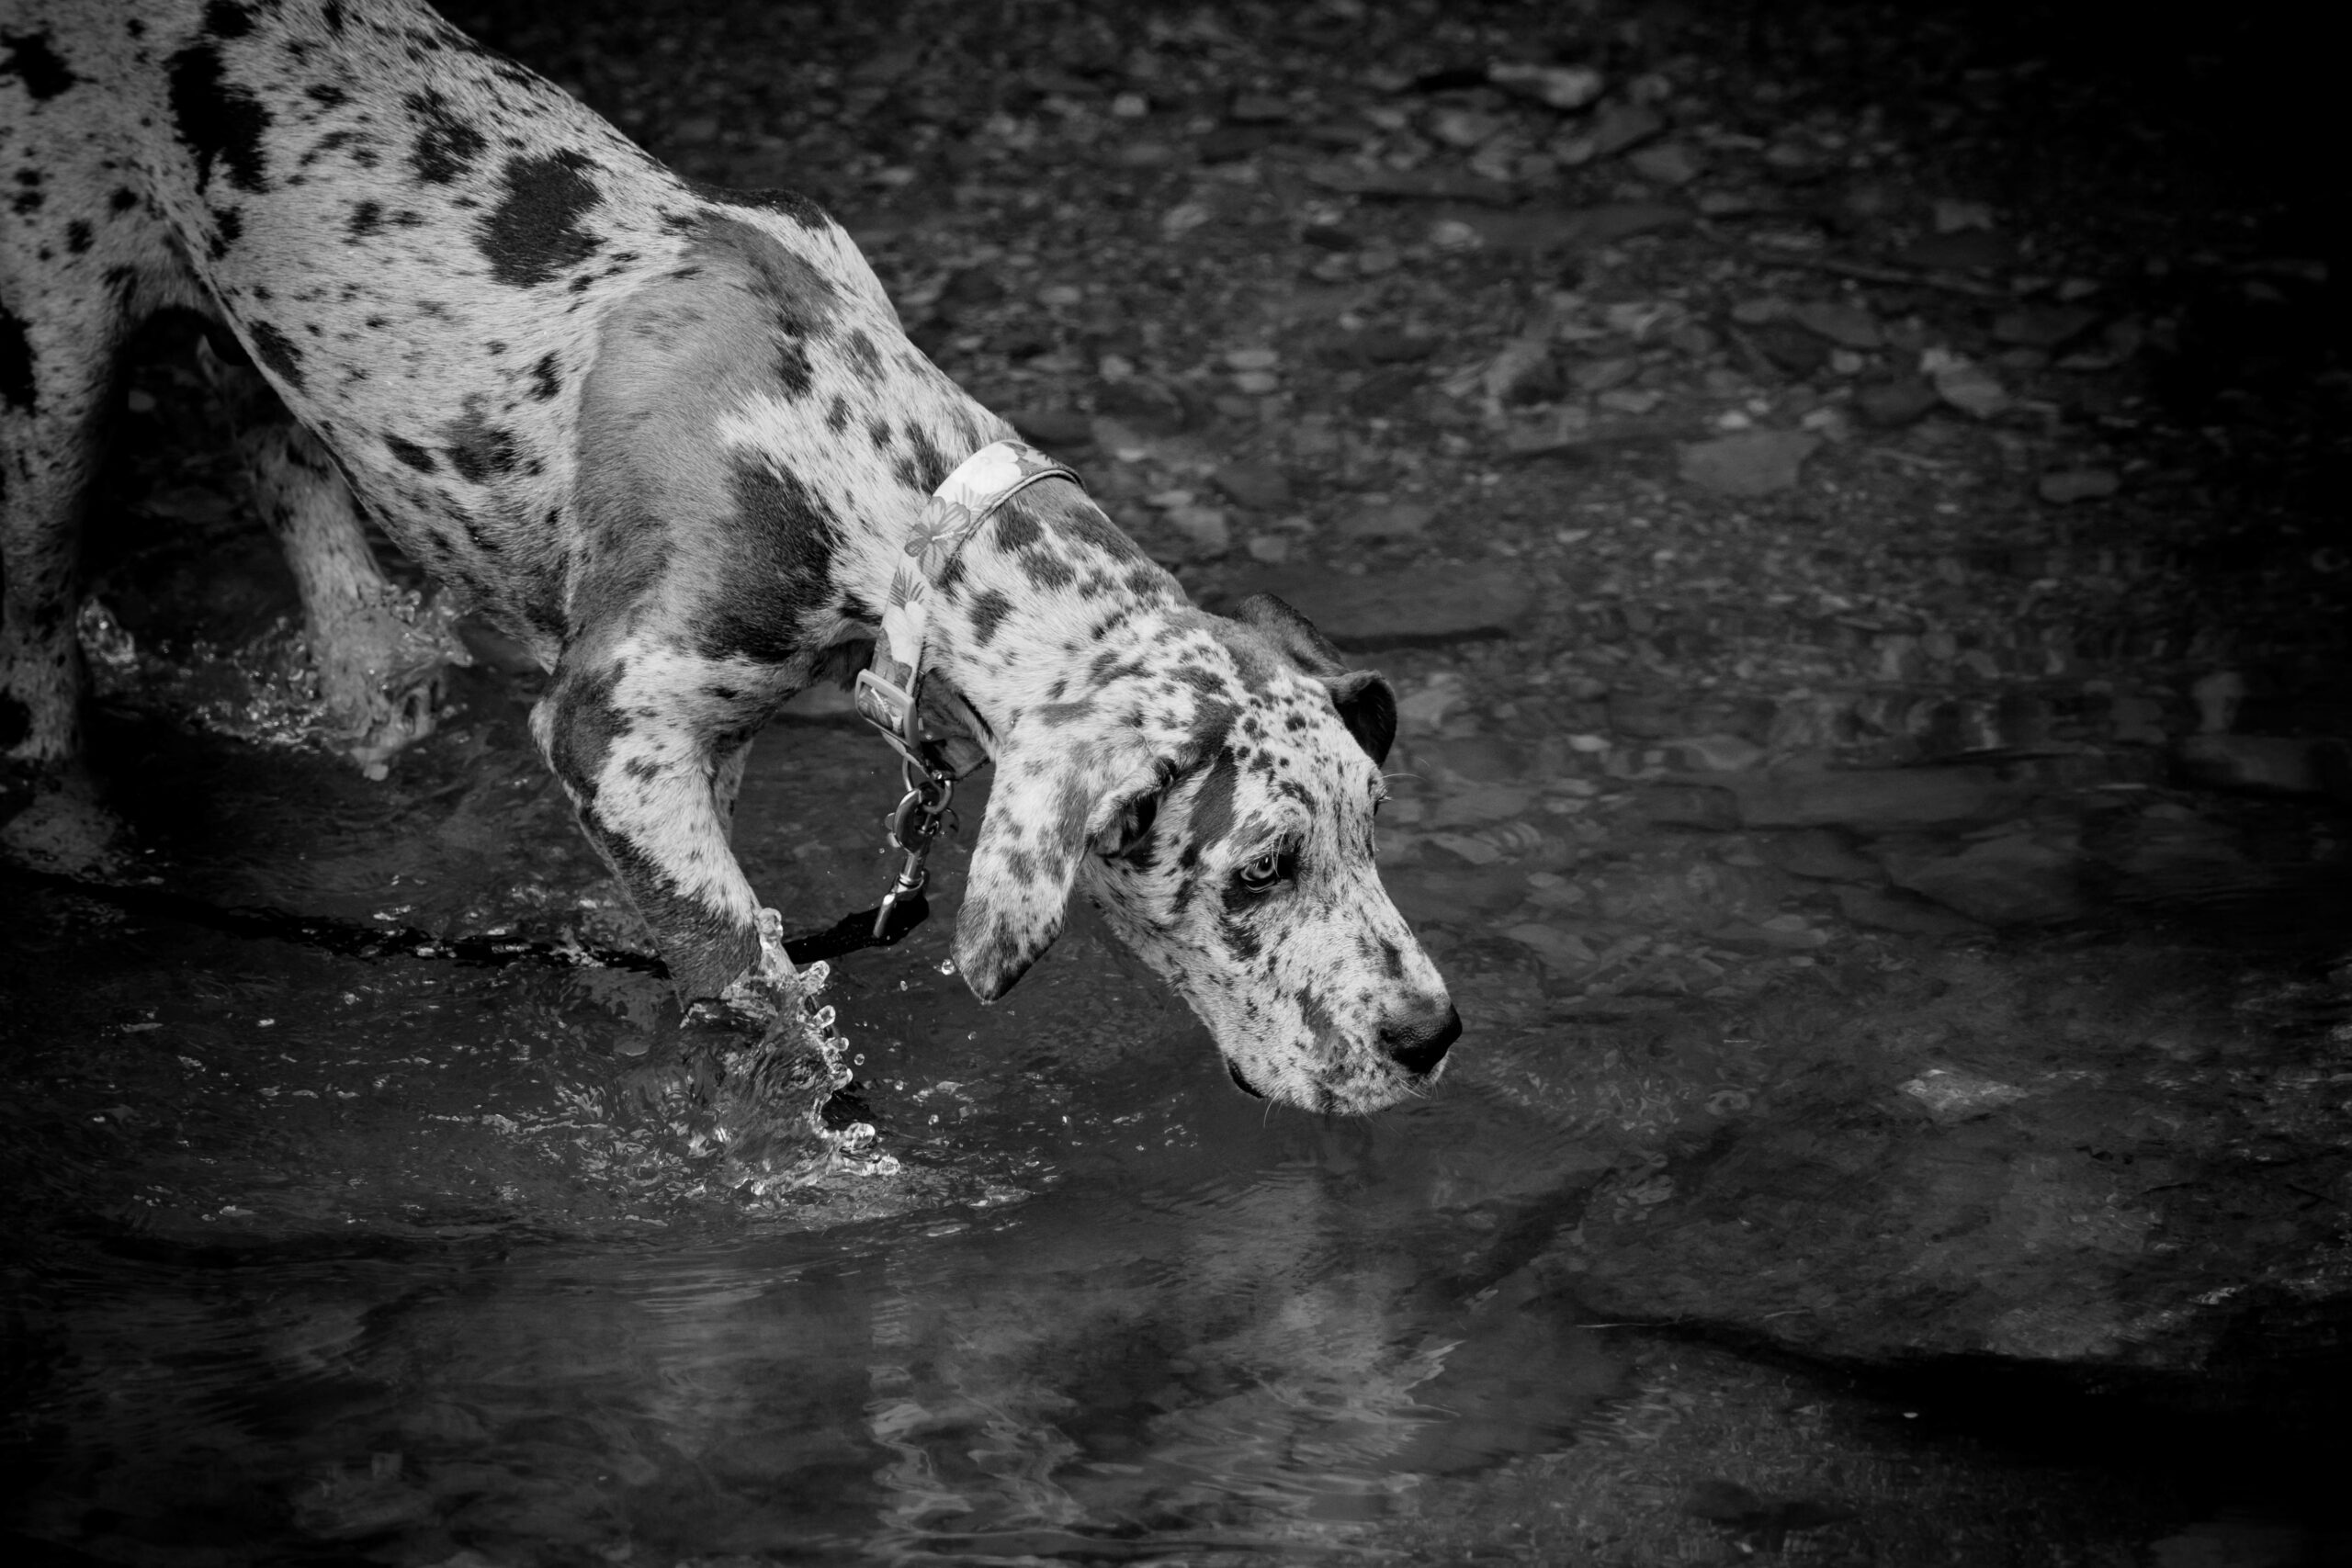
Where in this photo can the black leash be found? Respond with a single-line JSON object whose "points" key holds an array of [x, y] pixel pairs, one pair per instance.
{"points": [[349, 939]]}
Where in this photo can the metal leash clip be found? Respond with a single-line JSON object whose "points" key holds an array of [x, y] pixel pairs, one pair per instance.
{"points": [[924, 813]]}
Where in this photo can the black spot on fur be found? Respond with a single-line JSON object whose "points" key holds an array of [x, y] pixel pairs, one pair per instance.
{"points": [[784, 537], [367, 217], [16, 364], [226, 18], [326, 95], [229, 227], [477, 449], [988, 611], [791, 371], [546, 379], [123, 199], [1235, 924], [863, 356], [220, 121], [930, 467], [277, 352], [446, 146], [409, 452], [534, 234], [77, 237], [1046, 571], [33, 63], [1213, 816], [1015, 529], [26, 202]]}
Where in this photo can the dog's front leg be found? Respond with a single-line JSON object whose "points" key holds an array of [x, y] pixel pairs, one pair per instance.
{"points": [[644, 752]]}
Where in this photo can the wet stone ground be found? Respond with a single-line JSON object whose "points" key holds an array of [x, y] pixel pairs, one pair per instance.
{"points": [[1853, 534]]}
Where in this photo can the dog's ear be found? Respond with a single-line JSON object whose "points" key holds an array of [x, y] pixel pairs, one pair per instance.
{"points": [[1292, 633], [1053, 802], [1367, 706]]}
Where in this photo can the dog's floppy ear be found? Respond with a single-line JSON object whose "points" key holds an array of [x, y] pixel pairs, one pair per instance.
{"points": [[1367, 706], [1052, 799]]}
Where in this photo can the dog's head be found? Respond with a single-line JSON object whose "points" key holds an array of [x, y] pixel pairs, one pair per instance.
{"points": [[1218, 805]]}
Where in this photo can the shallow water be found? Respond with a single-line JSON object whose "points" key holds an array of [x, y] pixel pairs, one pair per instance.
{"points": [[318, 1257], [321, 1258]]}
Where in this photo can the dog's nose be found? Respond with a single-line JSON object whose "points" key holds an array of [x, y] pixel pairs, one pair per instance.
{"points": [[1419, 1051]]}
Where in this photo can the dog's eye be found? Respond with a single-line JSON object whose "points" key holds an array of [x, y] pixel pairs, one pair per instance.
{"points": [[1262, 873]]}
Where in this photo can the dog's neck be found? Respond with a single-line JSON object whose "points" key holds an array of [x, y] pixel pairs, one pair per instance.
{"points": [[1046, 609]]}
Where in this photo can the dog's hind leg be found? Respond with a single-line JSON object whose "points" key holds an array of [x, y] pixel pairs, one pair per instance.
{"points": [[56, 369], [379, 649]]}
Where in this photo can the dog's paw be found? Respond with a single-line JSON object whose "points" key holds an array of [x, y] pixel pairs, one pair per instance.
{"points": [[379, 671], [66, 831]]}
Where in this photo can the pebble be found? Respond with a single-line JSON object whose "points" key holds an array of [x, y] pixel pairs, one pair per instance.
{"points": [[2273, 765], [1392, 520], [1716, 753], [1621, 125], [1669, 164], [1260, 486], [1889, 405], [2069, 485], [1968, 250], [1480, 805], [1849, 326], [1259, 108], [1964, 384], [1907, 916], [1601, 375], [1819, 855], [1749, 463], [1874, 798], [2011, 880], [1558, 949], [1463, 126], [1203, 528], [1427, 606], [1952, 1096], [1563, 87], [1425, 707], [2043, 326]]}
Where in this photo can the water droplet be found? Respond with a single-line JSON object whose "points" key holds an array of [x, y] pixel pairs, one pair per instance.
{"points": [[947, 966]]}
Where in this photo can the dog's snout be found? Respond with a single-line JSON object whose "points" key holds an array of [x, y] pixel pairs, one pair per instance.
{"points": [[1420, 1048]]}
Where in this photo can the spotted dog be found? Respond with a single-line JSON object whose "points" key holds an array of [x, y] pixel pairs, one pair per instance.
{"points": [[674, 442]]}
